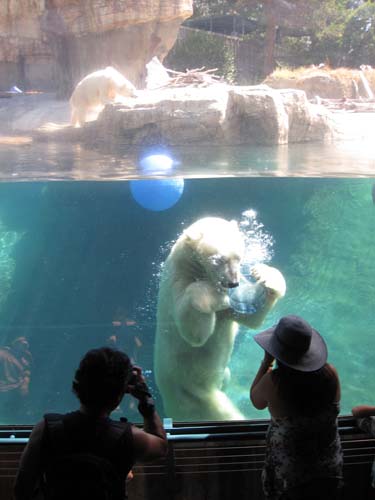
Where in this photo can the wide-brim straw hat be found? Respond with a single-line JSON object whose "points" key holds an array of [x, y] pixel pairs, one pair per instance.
{"points": [[295, 343]]}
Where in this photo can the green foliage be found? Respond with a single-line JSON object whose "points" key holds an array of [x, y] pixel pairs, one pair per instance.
{"points": [[210, 7], [297, 52], [200, 48], [310, 31], [323, 25], [359, 36]]}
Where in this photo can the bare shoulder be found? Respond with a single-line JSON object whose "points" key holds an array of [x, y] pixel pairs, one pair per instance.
{"points": [[336, 377], [333, 369], [333, 372]]}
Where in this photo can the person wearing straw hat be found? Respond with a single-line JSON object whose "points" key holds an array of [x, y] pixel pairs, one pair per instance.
{"points": [[302, 393]]}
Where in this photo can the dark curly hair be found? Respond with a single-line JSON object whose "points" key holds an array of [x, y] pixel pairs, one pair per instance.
{"points": [[101, 378]]}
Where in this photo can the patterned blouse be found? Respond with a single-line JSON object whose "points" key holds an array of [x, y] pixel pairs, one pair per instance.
{"points": [[299, 449]]}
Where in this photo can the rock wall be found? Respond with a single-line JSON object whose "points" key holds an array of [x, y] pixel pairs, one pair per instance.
{"points": [[53, 43]]}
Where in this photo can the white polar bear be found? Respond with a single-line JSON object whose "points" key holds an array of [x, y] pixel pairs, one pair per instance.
{"points": [[97, 89], [196, 326]]}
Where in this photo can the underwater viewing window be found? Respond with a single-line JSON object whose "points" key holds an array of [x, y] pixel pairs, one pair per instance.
{"points": [[144, 152], [81, 264]]}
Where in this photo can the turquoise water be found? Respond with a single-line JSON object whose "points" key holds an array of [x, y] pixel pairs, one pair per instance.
{"points": [[80, 262]]}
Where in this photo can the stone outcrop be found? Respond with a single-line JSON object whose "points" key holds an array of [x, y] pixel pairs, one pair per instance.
{"points": [[322, 85], [218, 114], [340, 83], [214, 115], [41, 46], [306, 122], [97, 16]]}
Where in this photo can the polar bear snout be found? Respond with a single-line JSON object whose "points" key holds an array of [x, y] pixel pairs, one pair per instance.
{"points": [[230, 273], [232, 284]]}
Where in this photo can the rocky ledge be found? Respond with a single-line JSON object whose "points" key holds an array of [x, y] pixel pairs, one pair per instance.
{"points": [[219, 114]]}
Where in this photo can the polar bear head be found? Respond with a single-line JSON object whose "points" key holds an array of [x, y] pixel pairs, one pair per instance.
{"points": [[119, 85], [127, 89], [217, 247]]}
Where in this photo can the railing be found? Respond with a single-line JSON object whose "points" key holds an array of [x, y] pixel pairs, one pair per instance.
{"points": [[208, 460]]}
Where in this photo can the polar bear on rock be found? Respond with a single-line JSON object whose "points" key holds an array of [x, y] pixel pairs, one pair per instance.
{"points": [[196, 327], [96, 90]]}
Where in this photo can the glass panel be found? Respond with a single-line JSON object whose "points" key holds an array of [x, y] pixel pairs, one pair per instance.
{"points": [[258, 112], [81, 266]]}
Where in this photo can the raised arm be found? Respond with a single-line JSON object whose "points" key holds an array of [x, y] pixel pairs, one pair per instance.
{"points": [[151, 442], [195, 310], [260, 388], [362, 411]]}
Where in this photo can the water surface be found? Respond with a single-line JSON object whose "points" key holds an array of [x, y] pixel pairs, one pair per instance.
{"points": [[64, 161]]}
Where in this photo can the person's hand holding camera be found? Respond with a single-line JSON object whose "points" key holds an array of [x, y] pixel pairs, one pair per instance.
{"points": [[138, 388]]}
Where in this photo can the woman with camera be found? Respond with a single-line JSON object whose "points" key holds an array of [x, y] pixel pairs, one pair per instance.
{"points": [[85, 454]]}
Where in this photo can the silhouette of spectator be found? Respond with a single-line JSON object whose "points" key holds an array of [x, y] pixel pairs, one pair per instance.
{"points": [[65, 449], [302, 393]]}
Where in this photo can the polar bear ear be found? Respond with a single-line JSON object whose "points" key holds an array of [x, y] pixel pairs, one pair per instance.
{"points": [[193, 234]]}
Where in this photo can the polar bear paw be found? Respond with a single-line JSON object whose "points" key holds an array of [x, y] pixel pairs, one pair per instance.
{"points": [[206, 298], [271, 278]]}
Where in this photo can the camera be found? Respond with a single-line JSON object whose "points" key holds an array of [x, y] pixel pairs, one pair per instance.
{"points": [[140, 389], [133, 380]]}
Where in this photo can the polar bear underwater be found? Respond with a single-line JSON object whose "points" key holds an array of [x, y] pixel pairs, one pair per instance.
{"points": [[96, 90], [196, 327]]}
